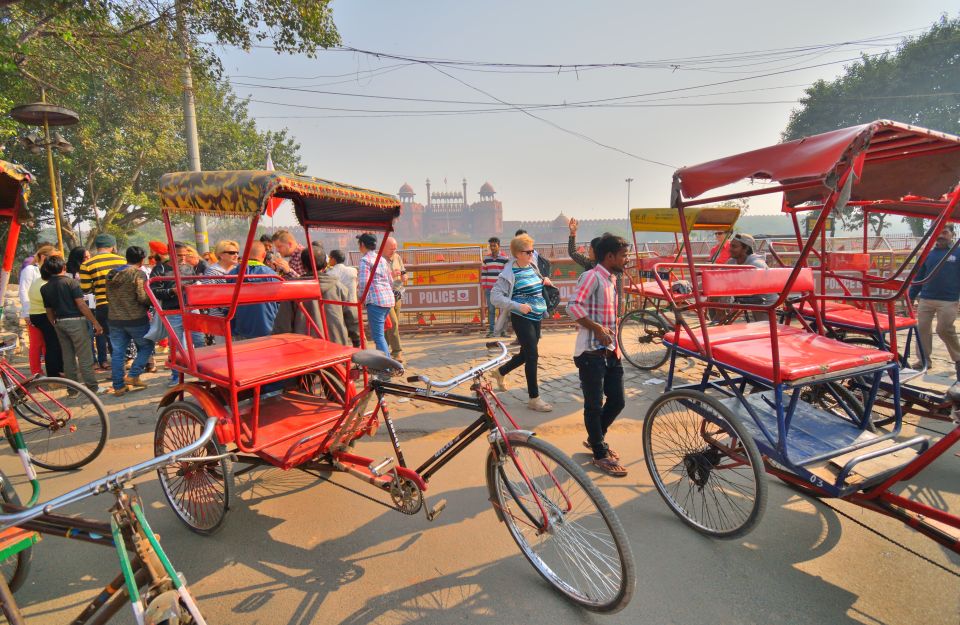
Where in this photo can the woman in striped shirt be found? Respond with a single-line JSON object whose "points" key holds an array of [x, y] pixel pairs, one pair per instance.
{"points": [[518, 293]]}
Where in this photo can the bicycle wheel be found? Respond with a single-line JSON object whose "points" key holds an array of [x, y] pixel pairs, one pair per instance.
{"points": [[198, 492], [641, 339], [704, 464], [15, 568], [831, 397], [584, 553], [63, 423]]}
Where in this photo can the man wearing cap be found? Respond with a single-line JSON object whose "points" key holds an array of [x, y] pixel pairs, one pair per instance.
{"points": [[93, 279], [742, 248]]}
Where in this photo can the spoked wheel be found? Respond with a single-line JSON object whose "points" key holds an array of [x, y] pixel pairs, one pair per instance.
{"points": [[15, 568], [704, 464], [62, 422], [641, 339], [198, 491], [831, 397], [584, 551]]}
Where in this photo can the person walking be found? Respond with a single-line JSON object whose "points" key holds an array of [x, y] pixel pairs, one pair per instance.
{"points": [[39, 330], [93, 279], [379, 299], [589, 261], [518, 293], [347, 276], [68, 313], [493, 264], [127, 293], [939, 298], [596, 354], [399, 274]]}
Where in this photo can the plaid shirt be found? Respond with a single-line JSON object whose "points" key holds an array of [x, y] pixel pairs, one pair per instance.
{"points": [[595, 299], [296, 262], [381, 291]]}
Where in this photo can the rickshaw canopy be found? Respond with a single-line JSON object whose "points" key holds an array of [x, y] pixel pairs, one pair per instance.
{"points": [[247, 193], [892, 161], [668, 219], [14, 189]]}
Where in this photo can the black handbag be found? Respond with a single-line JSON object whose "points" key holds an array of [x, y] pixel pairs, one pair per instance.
{"points": [[551, 295]]}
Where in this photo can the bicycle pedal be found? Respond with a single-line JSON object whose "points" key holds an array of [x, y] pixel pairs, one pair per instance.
{"points": [[379, 468], [435, 511]]}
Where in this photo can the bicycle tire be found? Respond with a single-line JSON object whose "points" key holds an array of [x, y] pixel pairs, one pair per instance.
{"points": [[699, 455], [63, 423], [640, 337], [198, 492], [15, 568], [609, 557]]}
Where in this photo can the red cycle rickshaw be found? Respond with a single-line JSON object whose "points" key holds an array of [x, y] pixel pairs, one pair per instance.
{"points": [[706, 444], [558, 517]]}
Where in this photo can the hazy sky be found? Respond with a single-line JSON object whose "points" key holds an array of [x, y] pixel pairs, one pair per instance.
{"points": [[538, 170]]}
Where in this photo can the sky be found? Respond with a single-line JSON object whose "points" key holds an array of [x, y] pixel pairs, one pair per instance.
{"points": [[537, 169]]}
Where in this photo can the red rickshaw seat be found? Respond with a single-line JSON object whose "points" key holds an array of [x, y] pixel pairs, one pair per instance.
{"points": [[843, 314], [648, 288], [269, 358], [802, 355], [733, 332]]}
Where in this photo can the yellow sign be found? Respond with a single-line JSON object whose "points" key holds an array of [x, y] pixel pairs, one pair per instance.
{"points": [[668, 219]]}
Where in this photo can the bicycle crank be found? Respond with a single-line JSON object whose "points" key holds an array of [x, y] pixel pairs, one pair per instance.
{"points": [[407, 496]]}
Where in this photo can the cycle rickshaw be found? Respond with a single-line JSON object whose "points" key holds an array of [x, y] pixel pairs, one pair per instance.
{"points": [[641, 329], [706, 444], [557, 516]]}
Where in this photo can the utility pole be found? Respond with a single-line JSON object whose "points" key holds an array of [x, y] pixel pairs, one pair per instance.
{"points": [[628, 181], [190, 117]]}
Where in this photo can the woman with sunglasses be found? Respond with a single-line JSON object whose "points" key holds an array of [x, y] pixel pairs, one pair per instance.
{"points": [[518, 294], [228, 256]]}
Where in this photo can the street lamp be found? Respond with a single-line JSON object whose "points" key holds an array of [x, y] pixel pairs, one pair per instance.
{"points": [[628, 181], [44, 114]]}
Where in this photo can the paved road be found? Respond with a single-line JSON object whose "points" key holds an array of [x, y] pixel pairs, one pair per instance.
{"points": [[298, 550]]}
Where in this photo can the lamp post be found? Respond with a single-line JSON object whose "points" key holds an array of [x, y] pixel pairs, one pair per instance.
{"points": [[45, 114], [628, 181]]}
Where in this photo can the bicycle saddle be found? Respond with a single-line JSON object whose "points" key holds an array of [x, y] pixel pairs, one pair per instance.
{"points": [[375, 360]]}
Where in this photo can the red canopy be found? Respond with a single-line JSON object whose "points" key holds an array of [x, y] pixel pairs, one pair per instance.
{"points": [[929, 164]]}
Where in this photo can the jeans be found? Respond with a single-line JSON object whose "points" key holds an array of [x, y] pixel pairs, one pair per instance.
{"points": [[75, 344], [491, 312], [176, 323], [600, 376], [528, 333], [102, 313], [376, 316], [120, 337]]}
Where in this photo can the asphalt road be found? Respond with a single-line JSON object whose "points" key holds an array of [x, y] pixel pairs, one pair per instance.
{"points": [[298, 549]]}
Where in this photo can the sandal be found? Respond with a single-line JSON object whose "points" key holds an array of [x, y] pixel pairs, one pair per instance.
{"points": [[610, 467], [610, 452]]}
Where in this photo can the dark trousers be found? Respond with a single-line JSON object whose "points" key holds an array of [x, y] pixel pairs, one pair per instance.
{"points": [[600, 376], [53, 357], [528, 333], [102, 313]]}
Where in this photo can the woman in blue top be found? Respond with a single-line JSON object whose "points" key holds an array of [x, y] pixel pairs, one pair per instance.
{"points": [[518, 294]]}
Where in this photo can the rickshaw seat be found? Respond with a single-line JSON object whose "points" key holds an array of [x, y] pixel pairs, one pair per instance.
{"points": [[270, 358], [731, 333], [221, 295], [802, 355], [648, 288], [747, 280], [858, 318]]}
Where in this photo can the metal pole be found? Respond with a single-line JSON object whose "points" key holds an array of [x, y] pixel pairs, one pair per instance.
{"points": [[629, 180], [190, 119], [53, 184]]}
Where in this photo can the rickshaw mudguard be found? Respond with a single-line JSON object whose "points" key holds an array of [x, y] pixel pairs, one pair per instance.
{"points": [[513, 436], [212, 406]]}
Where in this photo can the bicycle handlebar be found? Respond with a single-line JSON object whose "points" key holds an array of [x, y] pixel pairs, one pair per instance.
{"points": [[111, 482], [466, 375]]}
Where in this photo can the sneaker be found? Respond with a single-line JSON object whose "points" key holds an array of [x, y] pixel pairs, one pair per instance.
{"points": [[134, 383], [102, 390], [501, 382], [173, 382], [538, 405]]}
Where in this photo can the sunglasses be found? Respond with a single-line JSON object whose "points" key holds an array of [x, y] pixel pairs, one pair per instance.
{"points": [[526, 251], [231, 252]]}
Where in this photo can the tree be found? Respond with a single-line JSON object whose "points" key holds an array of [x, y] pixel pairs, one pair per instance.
{"points": [[104, 60], [918, 83]]}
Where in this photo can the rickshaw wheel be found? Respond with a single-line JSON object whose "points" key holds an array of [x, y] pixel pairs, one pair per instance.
{"points": [[640, 336], [15, 568], [704, 464], [198, 492]]}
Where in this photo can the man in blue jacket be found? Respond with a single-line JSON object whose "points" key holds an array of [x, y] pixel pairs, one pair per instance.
{"points": [[252, 320], [939, 297]]}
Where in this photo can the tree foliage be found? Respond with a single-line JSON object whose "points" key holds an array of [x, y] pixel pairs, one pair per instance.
{"points": [[918, 83], [116, 63]]}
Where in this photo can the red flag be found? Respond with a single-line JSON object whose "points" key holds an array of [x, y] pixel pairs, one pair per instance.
{"points": [[273, 203]]}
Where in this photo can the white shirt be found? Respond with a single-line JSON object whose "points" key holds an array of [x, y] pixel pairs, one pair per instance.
{"points": [[27, 275], [347, 276]]}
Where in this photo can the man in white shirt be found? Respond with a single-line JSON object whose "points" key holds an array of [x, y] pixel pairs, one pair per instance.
{"points": [[347, 275]]}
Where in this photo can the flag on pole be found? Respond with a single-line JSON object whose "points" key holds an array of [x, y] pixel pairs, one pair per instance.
{"points": [[274, 202]]}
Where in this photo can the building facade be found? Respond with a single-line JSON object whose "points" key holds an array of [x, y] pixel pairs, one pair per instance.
{"points": [[448, 215]]}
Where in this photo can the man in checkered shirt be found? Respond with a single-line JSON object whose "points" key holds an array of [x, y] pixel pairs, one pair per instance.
{"points": [[380, 300], [594, 308]]}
